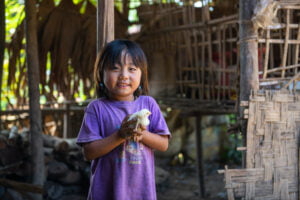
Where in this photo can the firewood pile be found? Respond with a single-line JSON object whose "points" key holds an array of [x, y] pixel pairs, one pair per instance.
{"points": [[67, 173]]}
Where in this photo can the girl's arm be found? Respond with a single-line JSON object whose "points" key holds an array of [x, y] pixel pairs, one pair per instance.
{"points": [[154, 141], [101, 147]]}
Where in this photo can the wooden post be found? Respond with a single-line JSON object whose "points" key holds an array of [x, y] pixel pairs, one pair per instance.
{"points": [[2, 47], [66, 126], [105, 23], [248, 58], [37, 153], [200, 168]]}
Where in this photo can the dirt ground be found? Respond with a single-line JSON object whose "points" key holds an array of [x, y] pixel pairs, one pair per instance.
{"points": [[182, 182]]}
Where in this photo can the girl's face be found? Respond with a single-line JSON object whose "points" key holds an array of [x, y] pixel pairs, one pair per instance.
{"points": [[122, 79]]}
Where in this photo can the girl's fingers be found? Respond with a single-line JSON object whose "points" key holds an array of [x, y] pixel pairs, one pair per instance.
{"points": [[143, 127], [135, 138]]}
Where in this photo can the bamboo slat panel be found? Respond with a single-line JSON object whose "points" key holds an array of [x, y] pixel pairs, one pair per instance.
{"points": [[207, 58], [272, 156], [279, 49], [205, 48], [207, 51]]}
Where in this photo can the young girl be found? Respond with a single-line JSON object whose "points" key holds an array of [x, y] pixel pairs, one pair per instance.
{"points": [[122, 168]]}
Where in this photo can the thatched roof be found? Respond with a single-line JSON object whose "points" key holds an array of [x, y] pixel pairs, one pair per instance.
{"points": [[66, 38]]}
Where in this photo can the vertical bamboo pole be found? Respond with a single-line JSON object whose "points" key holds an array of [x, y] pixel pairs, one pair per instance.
{"points": [[224, 63], [200, 168], [105, 23], [286, 44], [2, 47], [266, 61], [296, 53], [202, 94], [211, 87], [37, 153], [248, 58], [220, 82]]}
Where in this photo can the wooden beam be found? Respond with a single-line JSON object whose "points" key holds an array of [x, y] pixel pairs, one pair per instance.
{"points": [[37, 159], [248, 50], [19, 186], [105, 23], [248, 59]]}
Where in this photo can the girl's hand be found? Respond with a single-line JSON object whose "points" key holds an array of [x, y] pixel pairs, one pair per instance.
{"points": [[138, 133], [137, 137], [127, 128]]}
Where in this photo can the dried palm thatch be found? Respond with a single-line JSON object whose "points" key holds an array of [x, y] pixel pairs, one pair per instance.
{"points": [[58, 37], [84, 53], [18, 82], [67, 38], [14, 52]]}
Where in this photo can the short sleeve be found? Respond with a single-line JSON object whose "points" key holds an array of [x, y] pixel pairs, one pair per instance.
{"points": [[157, 121], [90, 127]]}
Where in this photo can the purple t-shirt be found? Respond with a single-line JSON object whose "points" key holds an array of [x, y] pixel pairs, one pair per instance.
{"points": [[127, 172]]}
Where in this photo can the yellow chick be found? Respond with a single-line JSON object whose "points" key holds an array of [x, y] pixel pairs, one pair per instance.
{"points": [[141, 117]]}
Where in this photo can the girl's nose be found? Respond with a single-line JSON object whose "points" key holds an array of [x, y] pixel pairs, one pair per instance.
{"points": [[123, 74]]}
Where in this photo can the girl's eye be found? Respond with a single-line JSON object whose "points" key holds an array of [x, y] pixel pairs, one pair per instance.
{"points": [[133, 68], [115, 67]]}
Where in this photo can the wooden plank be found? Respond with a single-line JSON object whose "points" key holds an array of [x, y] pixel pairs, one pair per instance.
{"points": [[20, 186], [32, 61], [105, 23]]}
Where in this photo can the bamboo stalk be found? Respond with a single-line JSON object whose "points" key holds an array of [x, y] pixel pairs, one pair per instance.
{"points": [[285, 67], [296, 55], [266, 61], [202, 64], [285, 49], [211, 92], [221, 60], [224, 63]]}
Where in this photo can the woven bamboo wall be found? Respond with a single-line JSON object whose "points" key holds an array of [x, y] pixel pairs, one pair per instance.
{"points": [[272, 152]]}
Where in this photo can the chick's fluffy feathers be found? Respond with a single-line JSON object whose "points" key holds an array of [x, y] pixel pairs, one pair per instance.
{"points": [[141, 117]]}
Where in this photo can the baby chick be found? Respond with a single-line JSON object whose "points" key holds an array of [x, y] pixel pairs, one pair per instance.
{"points": [[141, 117]]}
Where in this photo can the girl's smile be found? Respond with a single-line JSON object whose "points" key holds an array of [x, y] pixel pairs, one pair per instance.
{"points": [[123, 79]]}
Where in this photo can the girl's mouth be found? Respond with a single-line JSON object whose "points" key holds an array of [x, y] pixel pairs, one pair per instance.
{"points": [[122, 85]]}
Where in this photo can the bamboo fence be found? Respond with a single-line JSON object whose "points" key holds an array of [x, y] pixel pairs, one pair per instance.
{"points": [[206, 50], [279, 48]]}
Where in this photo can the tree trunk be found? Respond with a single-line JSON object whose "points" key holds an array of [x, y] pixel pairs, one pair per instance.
{"points": [[2, 47], [105, 23], [248, 58], [37, 153]]}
